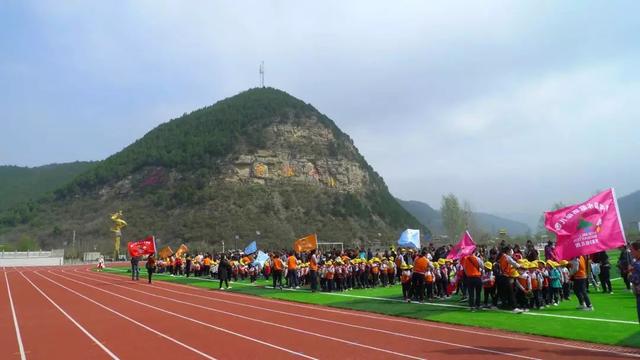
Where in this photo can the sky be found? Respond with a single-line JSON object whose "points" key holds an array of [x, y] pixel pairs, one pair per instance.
{"points": [[511, 105]]}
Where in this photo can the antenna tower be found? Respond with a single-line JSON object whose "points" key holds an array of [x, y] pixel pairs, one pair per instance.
{"points": [[262, 74]]}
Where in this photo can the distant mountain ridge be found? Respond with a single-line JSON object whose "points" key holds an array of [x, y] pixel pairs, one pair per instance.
{"points": [[20, 184], [489, 223], [630, 211]]}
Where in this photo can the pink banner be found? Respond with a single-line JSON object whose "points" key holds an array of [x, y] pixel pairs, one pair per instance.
{"points": [[587, 228], [466, 246]]}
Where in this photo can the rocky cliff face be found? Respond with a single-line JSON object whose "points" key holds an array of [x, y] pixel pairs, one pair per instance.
{"points": [[302, 152]]}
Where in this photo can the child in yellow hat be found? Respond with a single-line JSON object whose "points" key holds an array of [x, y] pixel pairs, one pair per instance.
{"points": [[405, 279], [489, 286], [555, 281]]}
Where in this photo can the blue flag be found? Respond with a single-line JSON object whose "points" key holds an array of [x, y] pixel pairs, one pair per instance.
{"points": [[251, 248], [261, 258], [410, 238]]}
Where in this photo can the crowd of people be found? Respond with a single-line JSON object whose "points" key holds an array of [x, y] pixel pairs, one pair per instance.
{"points": [[503, 276]]}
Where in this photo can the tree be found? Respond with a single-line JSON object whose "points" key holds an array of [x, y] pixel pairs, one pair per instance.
{"points": [[454, 218], [26, 243]]}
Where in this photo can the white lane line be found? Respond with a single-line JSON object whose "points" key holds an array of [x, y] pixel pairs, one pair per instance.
{"points": [[130, 319], [315, 319], [112, 355], [260, 321], [23, 356], [188, 318], [428, 324]]}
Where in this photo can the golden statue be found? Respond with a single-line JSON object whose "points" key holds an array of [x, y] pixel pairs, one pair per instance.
{"points": [[118, 224]]}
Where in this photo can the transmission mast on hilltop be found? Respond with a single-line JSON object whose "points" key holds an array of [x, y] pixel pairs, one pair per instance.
{"points": [[262, 74]]}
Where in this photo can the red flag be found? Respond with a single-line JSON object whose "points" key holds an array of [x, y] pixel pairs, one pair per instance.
{"points": [[588, 227], [466, 246], [142, 247]]}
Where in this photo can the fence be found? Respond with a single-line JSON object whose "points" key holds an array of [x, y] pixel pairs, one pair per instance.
{"points": [[32, 258]]}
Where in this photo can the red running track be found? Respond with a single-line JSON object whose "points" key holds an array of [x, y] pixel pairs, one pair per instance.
{"points": [[72, 313]]}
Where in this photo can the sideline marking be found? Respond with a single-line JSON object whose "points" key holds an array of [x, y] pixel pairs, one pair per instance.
{"points": [[23, 356], [128, 318], [426, 303], [113, 356], [313, 318], [187, 318]]}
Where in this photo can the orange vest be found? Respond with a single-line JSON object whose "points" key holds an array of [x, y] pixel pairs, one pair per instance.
{"points": [[277, 264], [405, 278], [471, 266], [420, 265], [428, 277], [523, 282], [505, 266], [313, 265], [291, 263], [582, 269], [534, 282]]}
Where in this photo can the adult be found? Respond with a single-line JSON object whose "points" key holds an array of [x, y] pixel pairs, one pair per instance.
{"points": [[624, 263], [634, 270], [472, 267], [420, 266], [224, 269], [151, 266], [602, 259], [579, 273], [530, 251], [135, 269], [550, 252], [506, 277], [292, 270], [313, 270], [278, 266]]}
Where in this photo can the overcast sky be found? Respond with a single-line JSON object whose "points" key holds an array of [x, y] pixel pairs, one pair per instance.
{"points": [[512, 105]]}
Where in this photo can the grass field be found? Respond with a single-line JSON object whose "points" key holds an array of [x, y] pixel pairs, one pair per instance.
{"points": [[613, 322]]}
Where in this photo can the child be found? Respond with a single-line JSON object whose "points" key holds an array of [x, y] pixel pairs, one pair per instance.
{"points": [[339, 275], [405, 279], [566, 279], [253, 274], [555, 282], [523, 287], [100, 263], [489, 286], [391, 272], [383, 271], [429, 279], [330, 273], [375, 271], [536, 286]]}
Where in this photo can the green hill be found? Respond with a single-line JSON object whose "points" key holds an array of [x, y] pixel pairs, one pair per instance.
{"points": [[259, 161], [21, 184]]}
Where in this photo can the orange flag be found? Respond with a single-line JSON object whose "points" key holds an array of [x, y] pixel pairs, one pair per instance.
{"points": [[165, 252], [306, 243], [183, 249]]}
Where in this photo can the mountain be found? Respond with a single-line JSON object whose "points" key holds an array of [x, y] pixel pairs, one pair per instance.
{"points": [[20, 184], [630, 211], [432, 219], [259, 165]]}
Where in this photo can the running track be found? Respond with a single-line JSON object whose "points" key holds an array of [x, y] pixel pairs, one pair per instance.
{"points": [[73, 313]]}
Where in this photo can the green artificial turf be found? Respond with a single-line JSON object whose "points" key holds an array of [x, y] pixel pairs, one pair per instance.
{"points": [[555, 321]]}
